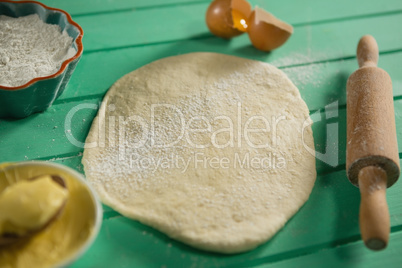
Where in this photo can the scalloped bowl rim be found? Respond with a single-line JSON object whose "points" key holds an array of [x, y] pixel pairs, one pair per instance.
{"points": [[65, 63]]}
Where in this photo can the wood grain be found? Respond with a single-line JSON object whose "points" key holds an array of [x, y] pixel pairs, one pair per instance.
{"points": [[123, 35]]}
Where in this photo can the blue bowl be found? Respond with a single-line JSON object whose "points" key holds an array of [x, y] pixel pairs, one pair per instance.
{"points": [[38, 94]]}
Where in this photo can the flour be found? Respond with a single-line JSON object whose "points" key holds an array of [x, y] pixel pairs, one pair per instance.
{"points": [[299, 68], [30, 48]]}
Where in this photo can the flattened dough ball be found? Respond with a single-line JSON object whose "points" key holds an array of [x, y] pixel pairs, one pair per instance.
{"points": [[205, 147]]}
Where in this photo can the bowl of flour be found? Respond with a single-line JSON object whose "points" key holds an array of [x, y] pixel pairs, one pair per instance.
{"points": [[40, 47]]}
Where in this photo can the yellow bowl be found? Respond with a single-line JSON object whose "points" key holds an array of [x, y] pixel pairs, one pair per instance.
{"points": [[69, 236]]}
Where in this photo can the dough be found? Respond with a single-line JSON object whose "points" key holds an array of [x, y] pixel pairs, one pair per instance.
{"points": [[204, 147]]}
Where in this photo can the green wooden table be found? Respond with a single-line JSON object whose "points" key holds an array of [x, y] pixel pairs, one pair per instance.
{"points": [[122, 35]]}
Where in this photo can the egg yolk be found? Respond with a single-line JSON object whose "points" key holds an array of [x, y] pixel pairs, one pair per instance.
{"points": [[239, 20]]}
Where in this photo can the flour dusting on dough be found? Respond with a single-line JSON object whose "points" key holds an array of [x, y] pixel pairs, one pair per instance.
{"points": [[181, 150]]}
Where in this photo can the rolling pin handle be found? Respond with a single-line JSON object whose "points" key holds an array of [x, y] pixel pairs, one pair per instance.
{"points": [[374, 215], [367, 51]]}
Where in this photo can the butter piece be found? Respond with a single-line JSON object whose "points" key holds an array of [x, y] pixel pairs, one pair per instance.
{"points": [[65, 237], [29, 205]]}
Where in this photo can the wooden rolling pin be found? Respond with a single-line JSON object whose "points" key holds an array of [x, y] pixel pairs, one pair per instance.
{"points": [[372, 160]]}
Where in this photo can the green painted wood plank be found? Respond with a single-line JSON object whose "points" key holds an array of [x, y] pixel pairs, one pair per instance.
{"points": [[292, 11], [137, 27], [352, 255], [319, 84], [73, 162], [337, 223], [142, 27], [312, 11], [79, 7], [328, 219], [44, 136]]}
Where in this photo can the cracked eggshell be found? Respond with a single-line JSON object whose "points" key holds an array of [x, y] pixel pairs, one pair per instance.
{"points": [[267, 32], [228, 18]]}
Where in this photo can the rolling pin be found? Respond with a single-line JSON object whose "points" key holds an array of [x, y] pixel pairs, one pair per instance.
{"points": [[372, 159]]}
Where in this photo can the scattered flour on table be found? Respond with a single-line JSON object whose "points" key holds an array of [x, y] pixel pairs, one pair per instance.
{"points": [[305, 74], [31, 48], [292, 59]]}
